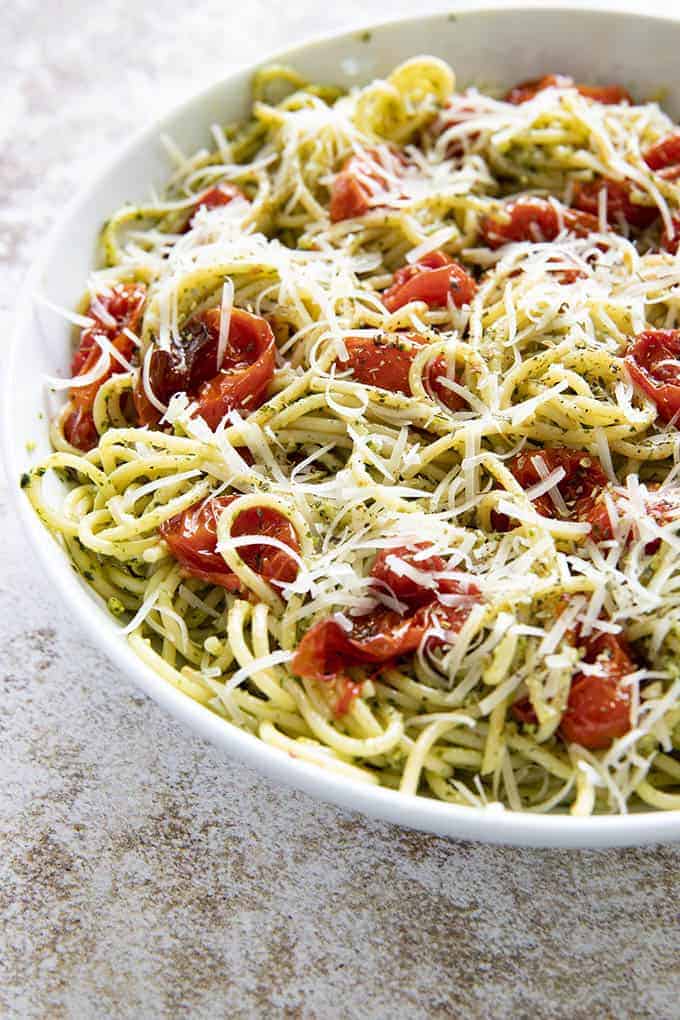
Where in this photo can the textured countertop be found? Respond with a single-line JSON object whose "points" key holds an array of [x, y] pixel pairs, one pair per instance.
{"points": [[141, 874]]}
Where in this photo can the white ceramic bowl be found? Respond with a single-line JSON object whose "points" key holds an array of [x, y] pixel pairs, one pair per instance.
{"points": [[502, 46]]}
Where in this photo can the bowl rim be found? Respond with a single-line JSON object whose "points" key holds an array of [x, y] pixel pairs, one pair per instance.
{"points": [[488, 825]]}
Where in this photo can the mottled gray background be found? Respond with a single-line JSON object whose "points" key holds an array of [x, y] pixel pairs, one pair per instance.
{"points": [[142, 875]]}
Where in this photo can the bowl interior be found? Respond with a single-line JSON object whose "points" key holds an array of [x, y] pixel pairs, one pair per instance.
{"points": [[485, 48]]}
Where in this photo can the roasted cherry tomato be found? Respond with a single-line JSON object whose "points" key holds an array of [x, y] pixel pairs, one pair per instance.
{"points": [[534, 219], [192, 539], [664, 157], [599, 704], [653, 364], [670, 241], [583, 481], [328, 649], [431, 279], [620, 205], [415, 592], [112, 311], [240, 384], [405, 588], [386, 362], [661, 507], [361, 181], [218, 196], [606, 94]]}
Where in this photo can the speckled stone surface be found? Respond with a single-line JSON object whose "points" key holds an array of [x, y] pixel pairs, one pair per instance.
{"points": [[141, 874]]}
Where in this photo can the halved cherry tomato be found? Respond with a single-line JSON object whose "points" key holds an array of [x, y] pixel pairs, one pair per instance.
{"points": [[660, 507], [380, 636], [671, 241], [431, 279], [113, 311], [192, 539], [653, 364], [584, 478], [534, 219], [361, 181], [407, 589], [218, 196], [620, 205], [598, 707], [664, 157], [383, 361], [606, 94], [242, 382], [386, 361]]}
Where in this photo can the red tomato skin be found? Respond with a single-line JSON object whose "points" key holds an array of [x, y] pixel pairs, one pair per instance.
{"points": [[352, 193], [432, 279], [645, 366], [527, 90], [124, 304], [386, 362], [598, 706], [220, 195], [242, 384], [80, 430], [659, 507], [192, 539], [664, 157], [605, 94], [404, 588], [377, 637], [383, 362], [536, 220], [619, 202], [671, 241], [584, 478], [349, 196]]}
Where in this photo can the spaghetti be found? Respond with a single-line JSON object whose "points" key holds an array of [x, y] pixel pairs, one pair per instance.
{"points": [[371, 436]]}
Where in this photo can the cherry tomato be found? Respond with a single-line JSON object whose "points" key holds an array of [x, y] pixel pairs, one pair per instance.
{"points": [[534, 219], [653, 364], [598, 707], [192, 539], [123, 304], [383, 361], [606, 94], [661, 507], [664, 157], [620, 205], [405, 588], [584, 478], [386, 361], [671, 241], [431, 279], [113, 311], [377, 637], [360, 182], [80, 429], [218, 196], [247, 368]]}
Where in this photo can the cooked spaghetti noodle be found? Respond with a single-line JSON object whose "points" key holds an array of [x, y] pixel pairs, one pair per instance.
{"points": [[371, 436]]}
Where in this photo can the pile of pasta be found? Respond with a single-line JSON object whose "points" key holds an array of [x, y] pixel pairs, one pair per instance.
{"points": [[371, 435]]}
